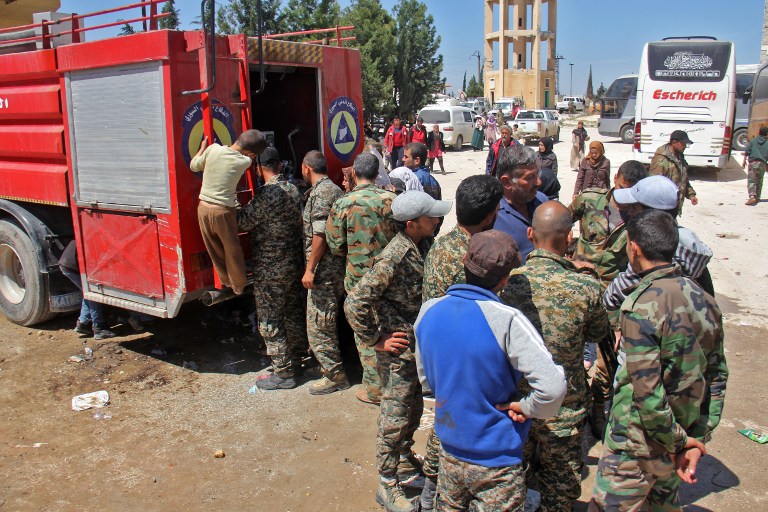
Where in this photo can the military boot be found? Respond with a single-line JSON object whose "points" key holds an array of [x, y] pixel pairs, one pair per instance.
{"points": [[391, 496], [325, 385], [410, 471]]}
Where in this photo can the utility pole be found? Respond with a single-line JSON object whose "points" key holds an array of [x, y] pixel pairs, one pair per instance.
{"points": [[570, 89], [557, 75], [479, 74]]}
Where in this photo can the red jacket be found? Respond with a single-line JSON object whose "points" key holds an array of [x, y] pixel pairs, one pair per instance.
{"points": [[390, 136], [490, 162], [419, 135]]}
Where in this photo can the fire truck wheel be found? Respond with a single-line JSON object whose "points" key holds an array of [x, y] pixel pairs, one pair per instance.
{"points": [[23, 289]]}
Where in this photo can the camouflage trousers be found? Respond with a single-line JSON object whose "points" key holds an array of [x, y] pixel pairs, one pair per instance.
{"points": [[401, 408], [432, 456], [755, 178], [371, 376], [465, 486], [556, 462], [628, 483], [281, 317], [602, 384], [323, 303]]}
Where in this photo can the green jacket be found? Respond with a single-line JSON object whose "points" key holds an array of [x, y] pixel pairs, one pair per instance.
{"points": [[598, 244], [666, 163], [444, 264], [359, 227], [388, 297], [671, 382], [566, 307], [758, 149]]}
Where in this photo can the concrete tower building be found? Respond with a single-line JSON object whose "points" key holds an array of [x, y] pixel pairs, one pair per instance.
{"points": [[521, 43]]}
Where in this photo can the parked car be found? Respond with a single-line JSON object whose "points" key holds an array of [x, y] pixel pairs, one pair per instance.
{"points": [[565, 104], [535, 124], [456, 123]]}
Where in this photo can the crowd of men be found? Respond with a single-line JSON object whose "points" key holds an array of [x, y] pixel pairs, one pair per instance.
{"points": [[493, 318]]}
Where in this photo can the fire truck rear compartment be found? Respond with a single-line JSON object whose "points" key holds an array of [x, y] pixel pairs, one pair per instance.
{"points": [[289, 101]]}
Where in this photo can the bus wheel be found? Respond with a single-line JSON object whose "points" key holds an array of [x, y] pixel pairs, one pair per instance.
{"points": [[23, 289], [628, 133], [740, 141]]}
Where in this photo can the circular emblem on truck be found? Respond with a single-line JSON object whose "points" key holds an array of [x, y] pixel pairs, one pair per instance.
{"points": [[192, 128], [343, 128]]}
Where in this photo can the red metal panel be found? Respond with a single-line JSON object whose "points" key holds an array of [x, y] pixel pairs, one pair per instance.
{"points": [[121, 251], [341, 74], [34, 182], [32, 141], [17, 67], [114, 51], [32, 101]]}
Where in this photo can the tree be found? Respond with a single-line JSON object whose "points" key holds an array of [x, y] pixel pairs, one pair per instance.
{"points": [[241, 17], [464, 83], [311, 14], [474, 89], [171, 22], [126, 30], [600, 91], [418, 65], [375, 38], [590, 95]]}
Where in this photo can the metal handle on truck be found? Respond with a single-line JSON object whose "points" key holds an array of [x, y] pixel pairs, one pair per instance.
{"points": [[212, 23]]}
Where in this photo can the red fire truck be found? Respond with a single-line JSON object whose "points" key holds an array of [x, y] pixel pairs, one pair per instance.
{"points": [[96, 139]]}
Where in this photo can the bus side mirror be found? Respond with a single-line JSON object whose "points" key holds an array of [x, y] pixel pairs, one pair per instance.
{"points": [[747, 95]]}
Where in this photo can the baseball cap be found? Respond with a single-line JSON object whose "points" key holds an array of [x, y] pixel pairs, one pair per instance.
{"points": [[492, 254], [657, 192], [681, 136], [269, 155], [412, 204]]}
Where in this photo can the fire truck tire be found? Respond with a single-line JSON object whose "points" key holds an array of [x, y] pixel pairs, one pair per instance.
{"points": [[23, 288]]}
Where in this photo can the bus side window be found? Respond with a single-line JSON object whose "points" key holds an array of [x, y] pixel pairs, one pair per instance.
{"points": [[760, 93]]}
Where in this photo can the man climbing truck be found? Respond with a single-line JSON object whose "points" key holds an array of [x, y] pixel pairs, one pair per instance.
{"points": [[98, 137]]}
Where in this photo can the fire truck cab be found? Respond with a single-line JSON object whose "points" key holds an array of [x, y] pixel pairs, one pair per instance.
{"points": [[97, 138]]}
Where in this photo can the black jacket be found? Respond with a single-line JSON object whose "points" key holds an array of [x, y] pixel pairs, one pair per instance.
{"points": [[431, 140]]}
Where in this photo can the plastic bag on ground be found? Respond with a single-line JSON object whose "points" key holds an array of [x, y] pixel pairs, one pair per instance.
{"points": [[90, 401]]}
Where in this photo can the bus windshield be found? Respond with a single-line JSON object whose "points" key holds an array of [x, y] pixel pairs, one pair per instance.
{"points": [[688, 61]]}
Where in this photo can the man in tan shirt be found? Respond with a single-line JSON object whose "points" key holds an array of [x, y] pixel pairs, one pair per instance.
{"points": [[222, 168]]}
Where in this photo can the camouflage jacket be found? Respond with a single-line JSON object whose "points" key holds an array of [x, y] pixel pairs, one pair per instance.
{"points": [[444, 265], [605, 248], [273, 219], [565, 307], [320, 199], [666, 163], [671, 382], [388, 297], [359, 227]]}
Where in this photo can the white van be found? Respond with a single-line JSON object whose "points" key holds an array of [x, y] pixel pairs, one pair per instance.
{"points": [[478, 105], [456, 123]]}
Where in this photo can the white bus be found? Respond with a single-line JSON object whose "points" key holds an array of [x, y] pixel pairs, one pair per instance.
{"points": [[686, 84]]}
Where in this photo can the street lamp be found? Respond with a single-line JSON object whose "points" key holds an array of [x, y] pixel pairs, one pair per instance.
{"points": [[570, 89]]}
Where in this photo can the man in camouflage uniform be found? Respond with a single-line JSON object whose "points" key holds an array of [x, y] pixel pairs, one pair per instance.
{"points": [[477, 203], [323, 277], [382, 308], [358, 228], [669, 161], [602, 243], [565, 306], [757, 155], [273, 218], [670, 387]]}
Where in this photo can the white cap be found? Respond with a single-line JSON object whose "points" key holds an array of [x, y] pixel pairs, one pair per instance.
{"points": [[657, 192], [412, 204]]}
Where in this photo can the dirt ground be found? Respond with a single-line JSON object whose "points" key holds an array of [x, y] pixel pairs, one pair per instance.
{"points": [[291, 451]]}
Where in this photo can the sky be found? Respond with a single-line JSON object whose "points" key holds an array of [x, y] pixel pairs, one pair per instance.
{"points": [[605, 34]]}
